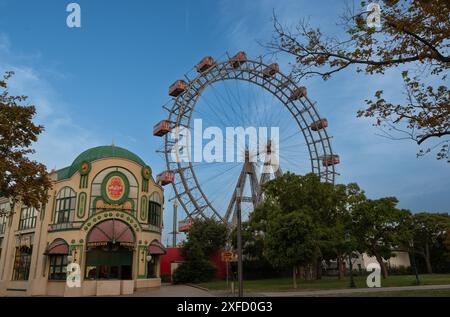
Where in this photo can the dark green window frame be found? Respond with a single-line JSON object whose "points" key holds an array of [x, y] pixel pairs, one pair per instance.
{"points": [[3, 224], [28, 216], [5, 208], [154, 213], [58, 267], [65, 205], [1, 247], [22, 263]]}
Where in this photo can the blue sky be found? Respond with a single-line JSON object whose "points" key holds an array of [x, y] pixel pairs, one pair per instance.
{"points": [[107, 82]]}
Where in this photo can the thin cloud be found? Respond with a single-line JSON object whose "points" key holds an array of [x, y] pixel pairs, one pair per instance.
{"points": [[60, 142]]}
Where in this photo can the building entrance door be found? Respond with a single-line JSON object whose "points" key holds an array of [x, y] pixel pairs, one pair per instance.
{"points": [[110, 251], [109, 262]]}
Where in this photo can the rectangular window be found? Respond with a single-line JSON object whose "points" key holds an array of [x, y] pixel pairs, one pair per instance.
{"points": [[65, 206], [58, 267], [28, 216], [2, 224], [22, 261], [154, 214], [5, 209], [1, 247]]}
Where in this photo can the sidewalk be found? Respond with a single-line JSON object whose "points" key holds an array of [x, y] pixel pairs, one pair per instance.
{"points": [[349, 291]]}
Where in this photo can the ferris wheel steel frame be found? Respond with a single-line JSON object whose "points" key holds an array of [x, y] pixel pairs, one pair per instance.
{"points": [[187, 189]]}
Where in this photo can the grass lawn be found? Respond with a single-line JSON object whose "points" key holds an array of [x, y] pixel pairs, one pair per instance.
{"points": [[425, 293], [327, 282]]}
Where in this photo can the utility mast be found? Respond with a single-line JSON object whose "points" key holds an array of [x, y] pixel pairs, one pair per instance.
{"points": [[174, 231]]}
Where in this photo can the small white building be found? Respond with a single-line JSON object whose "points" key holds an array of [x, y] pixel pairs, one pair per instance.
{"points": [[400, 259], [361, 262]]}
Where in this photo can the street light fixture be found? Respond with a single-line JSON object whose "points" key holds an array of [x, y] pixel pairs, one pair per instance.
{"points": [[239, 241], [350, 256]]}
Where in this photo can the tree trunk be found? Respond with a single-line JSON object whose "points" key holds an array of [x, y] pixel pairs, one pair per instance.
{"points": [[340, 266], [319, 269], [312, 272], [294, 276], [427, 259], [382, 265], [301, 272]]}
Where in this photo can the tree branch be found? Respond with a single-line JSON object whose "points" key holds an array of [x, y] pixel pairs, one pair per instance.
{"points": [[431, 135]]}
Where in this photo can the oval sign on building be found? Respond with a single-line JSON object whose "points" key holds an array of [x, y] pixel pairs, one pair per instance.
{"points": [[115, 188]]}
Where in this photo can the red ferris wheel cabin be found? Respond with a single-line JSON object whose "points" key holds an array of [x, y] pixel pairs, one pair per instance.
{"points": [[165, 178], [331, 160], [299, 93], [238, 59], [319, 124], [271, 70], [205, 64], [185, 225], [177, 88], [161, 128]]}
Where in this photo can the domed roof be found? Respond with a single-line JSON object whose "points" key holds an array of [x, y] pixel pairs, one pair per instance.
{"points": [[97, 153]]}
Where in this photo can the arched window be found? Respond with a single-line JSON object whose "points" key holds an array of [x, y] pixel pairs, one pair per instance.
{"points": [[57, 252], [96, 187], [154, 209], [65, 205]]}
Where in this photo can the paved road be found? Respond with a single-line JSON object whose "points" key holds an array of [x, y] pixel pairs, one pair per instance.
{"points": [[168, 290]]}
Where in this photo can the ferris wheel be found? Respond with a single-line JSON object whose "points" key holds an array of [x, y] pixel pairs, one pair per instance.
{"points": [[234, 91]]}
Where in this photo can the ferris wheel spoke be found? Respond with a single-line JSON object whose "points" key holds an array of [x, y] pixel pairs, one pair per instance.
{"points": [[238, 102], [224, 105], [230, 104], [217, 112]]}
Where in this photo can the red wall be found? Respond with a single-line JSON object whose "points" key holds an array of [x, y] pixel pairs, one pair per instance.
{"points": [[173, 255]]}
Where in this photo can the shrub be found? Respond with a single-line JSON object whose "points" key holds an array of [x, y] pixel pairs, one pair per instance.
{"points": [[400, 270], [203, 239], [165, 278], [194, 272]]}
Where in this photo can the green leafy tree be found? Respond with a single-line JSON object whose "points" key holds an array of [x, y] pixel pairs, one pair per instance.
{"points": [[205, 237], [292, 240], [446, 243], [196, 267], [413, 34], [21, 179], [379, 228], [253, 241], [209, 234], [343, 242], [297, 222], [429, 231]]}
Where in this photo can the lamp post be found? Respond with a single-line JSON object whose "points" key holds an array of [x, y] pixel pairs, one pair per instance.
{"points": [[352, 280], [411, 244], [239, 241]]}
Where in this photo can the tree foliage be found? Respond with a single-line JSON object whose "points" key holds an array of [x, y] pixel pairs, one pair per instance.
{"points": [[413, 34], [380, 228], [205, 237], [302, 220], [430, 230], [20, 177]]}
